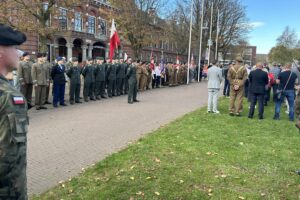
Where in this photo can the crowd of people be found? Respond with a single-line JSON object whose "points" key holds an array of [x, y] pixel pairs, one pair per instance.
{"points": [[258, 84], [90, 80]]}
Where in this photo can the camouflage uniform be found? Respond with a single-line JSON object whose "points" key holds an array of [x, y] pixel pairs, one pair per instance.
{"points": [[13, 131]]}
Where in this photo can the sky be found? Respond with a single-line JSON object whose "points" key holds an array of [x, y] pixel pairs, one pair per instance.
{"points": [[269, 19]]}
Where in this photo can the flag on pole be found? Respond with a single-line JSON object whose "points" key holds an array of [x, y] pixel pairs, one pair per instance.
{"points": [[151, 57], [177, 60], [114, 40], [192, 60]]}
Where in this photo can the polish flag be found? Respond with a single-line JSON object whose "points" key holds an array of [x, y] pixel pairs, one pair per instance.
{"points": [[114, 40], [151, 58], [125, 56]]}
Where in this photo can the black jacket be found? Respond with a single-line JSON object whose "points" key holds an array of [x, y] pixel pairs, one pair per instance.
{"points": [[258, 80], [58, 74]]}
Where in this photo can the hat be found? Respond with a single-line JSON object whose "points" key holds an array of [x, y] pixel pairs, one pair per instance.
{"points": [[25, 54], [90, 59], [99, 58], [59, 58], [10, 37], [39, 55], [74, 59], [239, 59]]}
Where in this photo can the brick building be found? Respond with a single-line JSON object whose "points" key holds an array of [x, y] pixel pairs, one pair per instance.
{"points": [[84, 32]]}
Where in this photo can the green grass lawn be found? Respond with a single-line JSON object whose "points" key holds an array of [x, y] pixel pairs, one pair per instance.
{"points": [[199, 156]]}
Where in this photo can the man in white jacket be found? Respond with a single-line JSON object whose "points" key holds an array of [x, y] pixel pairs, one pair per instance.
{"points": [[214, 76]]}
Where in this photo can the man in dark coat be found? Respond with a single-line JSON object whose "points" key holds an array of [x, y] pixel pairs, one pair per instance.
{"points": [[59, 82], [100, 78], [73, 73], [258, 80]]}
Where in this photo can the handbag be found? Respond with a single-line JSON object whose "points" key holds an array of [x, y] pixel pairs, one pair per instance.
{"points": [[280, 92]]}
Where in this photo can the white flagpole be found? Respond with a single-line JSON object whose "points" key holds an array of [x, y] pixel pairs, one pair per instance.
{"points": [[190, 43], [200, 43], [211, 22], [217, 38]]}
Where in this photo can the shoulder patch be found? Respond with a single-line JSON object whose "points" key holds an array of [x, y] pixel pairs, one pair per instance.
{"points": [[18, 100]]}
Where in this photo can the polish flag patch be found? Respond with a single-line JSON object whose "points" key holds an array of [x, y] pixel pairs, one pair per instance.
{"points": [[18, 100]]}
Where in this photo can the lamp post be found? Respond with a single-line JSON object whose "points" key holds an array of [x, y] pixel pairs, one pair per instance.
{"points": [[200, 43], [210, 32], [190, 42]]}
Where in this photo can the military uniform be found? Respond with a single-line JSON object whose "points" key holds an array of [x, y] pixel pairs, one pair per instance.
{"points": [[100, 78], [149, 77], [111, 76], [126, 86], [144, 76], [40, 78], [24, 73], [75, 83], [13, 129], [237, 76], [88, 73], [120, 78], [132, 80], [48, 65], [138, 75]]}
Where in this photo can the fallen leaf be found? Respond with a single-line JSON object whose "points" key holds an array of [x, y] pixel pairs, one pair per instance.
{"points": [[181, 181], [209, 190], [208, 153], [70, 191], [139, 193], [63, 185], [262, 194], [157, 193], [132, 178], [210, 194], [241, 143], [148, 178], [216, 176], [60, 182], [242, 198], [157, 160], [223, 176], [132, 167]]}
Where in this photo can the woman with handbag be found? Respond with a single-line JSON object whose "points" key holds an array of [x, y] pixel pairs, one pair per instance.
{"points": [[286, 81]]}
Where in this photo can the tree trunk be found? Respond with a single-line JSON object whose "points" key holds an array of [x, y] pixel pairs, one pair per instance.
{"points": [[43, 44]]}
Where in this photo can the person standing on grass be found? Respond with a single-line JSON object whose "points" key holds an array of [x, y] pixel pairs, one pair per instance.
{"points": [[214, 76], [275, 70], [286, 83], [258, 80]]}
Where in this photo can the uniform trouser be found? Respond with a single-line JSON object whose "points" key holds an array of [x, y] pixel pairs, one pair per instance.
{"points": [[143, 82], [236, 96], [26, 90], [111, 88], [149, 79], [75, 92], [59, 93], [120, 86], [212, 104], [40, 95], [132, 93], [138, 79], [260, 98], [126, 86], [47, 92], [153, 81], [100, 88], [88, 90], [13, 182]]}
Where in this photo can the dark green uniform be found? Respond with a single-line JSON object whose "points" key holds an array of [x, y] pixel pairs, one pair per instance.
{"points": [[126, 86], [111, 77], [100, 77], [121, 78], [75, 83], [132, 82], [88, 73], [13, 132]]}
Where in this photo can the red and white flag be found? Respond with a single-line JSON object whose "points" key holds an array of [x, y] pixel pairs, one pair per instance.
{"points": [[177, 60], [114, 40], [151, 58]]}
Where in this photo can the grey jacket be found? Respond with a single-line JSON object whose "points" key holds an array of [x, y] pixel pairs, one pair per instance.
{"points": [[214, 76]]}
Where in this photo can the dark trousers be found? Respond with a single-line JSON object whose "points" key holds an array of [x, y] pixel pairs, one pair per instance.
{"points": [[26, 90], [111, 88], [126, 86], [246, 88], [88, 90], [120, 86], [226, 90], [75, 92], [100, 89], [153, 81], [274, 88], [254, 99], [267, 96], [59, 93], [157, 81], [48, 92], [132, 92]]}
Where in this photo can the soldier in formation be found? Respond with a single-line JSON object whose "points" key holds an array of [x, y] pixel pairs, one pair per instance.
{"points": [[73, 72], [100, 78], [13, 119], [132, 81], [88, 73]]}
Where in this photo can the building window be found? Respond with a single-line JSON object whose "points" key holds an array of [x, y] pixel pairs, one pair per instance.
{"points": [[103, 27], [91, 24], [78, 22], [63, 19]]}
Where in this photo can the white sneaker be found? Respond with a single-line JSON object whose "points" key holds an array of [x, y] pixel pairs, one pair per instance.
{"points": [[216, 112], [287, 112]]}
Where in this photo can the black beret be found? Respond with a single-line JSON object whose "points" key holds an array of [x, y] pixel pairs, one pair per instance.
{"points": [[90, 59], [25, 54], [39, 55], [10, 37]]}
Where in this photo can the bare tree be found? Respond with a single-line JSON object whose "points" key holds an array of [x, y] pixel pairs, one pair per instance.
{"points": [[288, 38], [34, 16]]}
